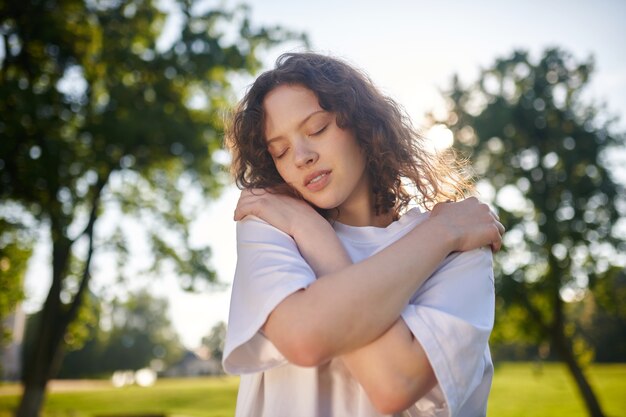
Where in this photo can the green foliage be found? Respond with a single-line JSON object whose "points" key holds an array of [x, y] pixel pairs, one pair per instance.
{"points": [[131, 334], [601, 318], [542, 156], [16, 246], [141, 332], [88, 95], [103, 117], [215, 340]]}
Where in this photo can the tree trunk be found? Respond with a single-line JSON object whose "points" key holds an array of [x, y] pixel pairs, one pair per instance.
{"points": [[32, 400], [591, 401], [43, 360], [562, 345]]}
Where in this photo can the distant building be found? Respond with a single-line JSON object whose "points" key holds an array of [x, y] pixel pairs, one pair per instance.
{"points": [[196, 363], [11, 360]]}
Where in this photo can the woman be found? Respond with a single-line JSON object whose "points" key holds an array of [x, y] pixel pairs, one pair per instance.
{"points": [[344, 303]]}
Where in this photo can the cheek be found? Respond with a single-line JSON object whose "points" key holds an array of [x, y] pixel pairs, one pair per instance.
{"points": [[358, 156], [283, 172]]}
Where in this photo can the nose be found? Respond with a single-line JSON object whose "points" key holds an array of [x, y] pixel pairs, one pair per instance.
{"points": [[304, 153]]}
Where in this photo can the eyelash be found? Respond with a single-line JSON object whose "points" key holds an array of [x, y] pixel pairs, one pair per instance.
{"points": [[279, 156], [319, 131]]}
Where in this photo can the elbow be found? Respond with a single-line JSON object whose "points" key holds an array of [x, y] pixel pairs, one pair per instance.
{"points": [[388, 402], [305, 356], [304, 350], [395, 396]]}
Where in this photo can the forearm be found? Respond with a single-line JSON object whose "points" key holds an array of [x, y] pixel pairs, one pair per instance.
{"points": [[337, 311], [392, 382], [320, 247], [393, 370]]}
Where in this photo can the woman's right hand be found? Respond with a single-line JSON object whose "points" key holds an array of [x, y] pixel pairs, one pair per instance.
{"points": [[282, 211], [317, 241], [470, 223]]}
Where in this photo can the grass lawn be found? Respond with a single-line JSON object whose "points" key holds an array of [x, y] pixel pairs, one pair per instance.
{"points": [[519, 390], [522, 390], [193, 397]]}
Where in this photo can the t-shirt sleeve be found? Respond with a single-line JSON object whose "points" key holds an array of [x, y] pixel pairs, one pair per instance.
{"points": [[269, 268], [452, 316]]}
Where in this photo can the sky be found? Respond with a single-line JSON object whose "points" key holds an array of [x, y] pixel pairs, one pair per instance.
{"points": [[410, 49]]}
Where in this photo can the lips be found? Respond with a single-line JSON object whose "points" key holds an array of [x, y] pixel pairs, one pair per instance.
{"points": [[316, 180]]}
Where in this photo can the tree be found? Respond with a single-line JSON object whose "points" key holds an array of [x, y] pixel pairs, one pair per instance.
{"points": [[215, 340], [100, 115], [84, 342], [543, 157], [135, 334], [602, 318], [16, 246], [141, 332], [81, 334]]}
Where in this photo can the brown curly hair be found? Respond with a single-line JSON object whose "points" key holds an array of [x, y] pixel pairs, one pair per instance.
{"points": [[394, 149]]}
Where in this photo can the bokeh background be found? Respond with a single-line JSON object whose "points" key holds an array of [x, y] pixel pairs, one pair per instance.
{"points": [[116, 236]]}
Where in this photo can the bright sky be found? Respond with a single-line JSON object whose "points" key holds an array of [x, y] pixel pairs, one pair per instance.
{"points": [[410, 49]]}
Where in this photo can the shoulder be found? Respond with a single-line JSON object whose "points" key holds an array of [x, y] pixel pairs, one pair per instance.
{"points": [[252, 228], [462, 287], [474, 259], [257, 240]]}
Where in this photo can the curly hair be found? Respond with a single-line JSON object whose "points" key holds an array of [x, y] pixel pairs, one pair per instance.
{"points": [[395, 151]]}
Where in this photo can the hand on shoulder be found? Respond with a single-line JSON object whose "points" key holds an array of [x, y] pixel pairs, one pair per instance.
{"points": [[284, 212], [470, 223]]}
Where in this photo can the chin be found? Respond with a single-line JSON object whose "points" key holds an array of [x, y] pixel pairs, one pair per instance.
{"points": [[323, 202], [324, 206]]}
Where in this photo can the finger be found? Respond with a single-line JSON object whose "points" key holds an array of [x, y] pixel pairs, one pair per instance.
{"points": [[501, 228], [244, 207], [239, 213], [496, 245]]}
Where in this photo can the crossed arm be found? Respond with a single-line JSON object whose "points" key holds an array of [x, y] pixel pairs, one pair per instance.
{"points": [[326, 320]]}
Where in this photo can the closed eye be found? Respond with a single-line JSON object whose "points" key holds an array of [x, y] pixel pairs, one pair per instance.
{"points": [[320, 131], [281, 154]]}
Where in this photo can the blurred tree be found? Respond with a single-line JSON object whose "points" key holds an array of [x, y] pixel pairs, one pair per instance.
{"points": [[100, 114], [215, 340], [80, 333], [602, 318], [542, 155], [16, 244], [84, 341], [141, 332], [132, 335]]}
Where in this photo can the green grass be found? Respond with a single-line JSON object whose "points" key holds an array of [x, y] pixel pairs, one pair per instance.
{"points": [[519, 390], [522, 390], [193, 397]]}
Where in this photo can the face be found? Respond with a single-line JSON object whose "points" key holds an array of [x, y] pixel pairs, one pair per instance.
{"points": [[312, 154]]}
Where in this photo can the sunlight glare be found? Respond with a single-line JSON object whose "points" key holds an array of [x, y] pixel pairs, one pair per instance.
{"points": [[439, 137]]}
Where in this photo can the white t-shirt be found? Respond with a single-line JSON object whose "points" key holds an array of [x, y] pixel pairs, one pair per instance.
{"points": [[451, 315]]}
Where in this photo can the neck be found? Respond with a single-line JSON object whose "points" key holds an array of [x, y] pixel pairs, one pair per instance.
{"points": [[360, 218]]}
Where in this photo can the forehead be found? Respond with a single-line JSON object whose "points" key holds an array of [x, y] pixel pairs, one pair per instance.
{"points": [[286, 106]]}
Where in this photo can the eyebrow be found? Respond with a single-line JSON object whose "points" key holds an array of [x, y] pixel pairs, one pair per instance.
{"points": [[306, 119]]}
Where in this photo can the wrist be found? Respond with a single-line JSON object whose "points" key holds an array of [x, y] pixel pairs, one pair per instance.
{"points": [[447, 236], [307, 226]]}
